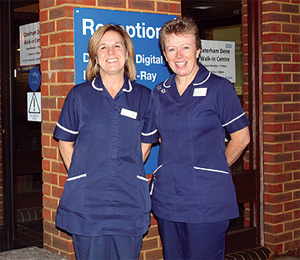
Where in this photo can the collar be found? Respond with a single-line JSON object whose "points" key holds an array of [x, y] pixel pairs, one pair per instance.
{"points": [[98, 85], [201, 77]]}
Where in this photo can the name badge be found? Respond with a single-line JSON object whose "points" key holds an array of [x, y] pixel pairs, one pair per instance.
{"points": [[200, 92], [128, 113]]}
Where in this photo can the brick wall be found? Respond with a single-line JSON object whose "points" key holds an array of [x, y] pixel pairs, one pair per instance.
{"points": [[57, 68], [281, 122], [281, 77]]}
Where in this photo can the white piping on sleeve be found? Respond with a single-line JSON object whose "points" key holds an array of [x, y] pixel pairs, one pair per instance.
{"points": [[233, 120], [67, 130], [151, 133]]}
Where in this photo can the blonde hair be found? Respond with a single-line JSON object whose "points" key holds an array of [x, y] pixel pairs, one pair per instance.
{"points": [[186, 25], [92, 69]]}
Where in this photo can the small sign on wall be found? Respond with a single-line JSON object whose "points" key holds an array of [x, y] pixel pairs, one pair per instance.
{"points": [[34, 111], [219, 58], [30, 50]]}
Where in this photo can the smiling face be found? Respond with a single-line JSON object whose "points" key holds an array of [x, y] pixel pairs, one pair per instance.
{"points": [[181, 53], [112, 54]]}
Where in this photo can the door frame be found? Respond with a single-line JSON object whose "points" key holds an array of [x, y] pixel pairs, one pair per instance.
{"points": [[7, 67]]}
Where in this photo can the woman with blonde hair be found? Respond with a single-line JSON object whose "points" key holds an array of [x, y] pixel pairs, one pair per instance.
{"points": [[105, 132]]}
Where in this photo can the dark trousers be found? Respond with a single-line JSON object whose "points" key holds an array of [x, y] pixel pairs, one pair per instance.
{"points": [[107, 247], [204, 241]]}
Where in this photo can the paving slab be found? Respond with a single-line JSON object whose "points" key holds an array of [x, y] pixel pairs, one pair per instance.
{"points": [[30, 253]]}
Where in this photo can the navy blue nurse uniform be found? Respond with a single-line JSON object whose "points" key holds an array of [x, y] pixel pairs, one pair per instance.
{"points": [[193, 182], [106, 192]]}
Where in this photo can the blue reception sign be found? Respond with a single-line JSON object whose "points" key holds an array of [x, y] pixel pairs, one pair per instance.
{"points": [[143, 28]]}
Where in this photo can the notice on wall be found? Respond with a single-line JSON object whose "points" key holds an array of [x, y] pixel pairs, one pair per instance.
{"points": [[143, 29], [219, 58], [34, 111], [30, 50]]}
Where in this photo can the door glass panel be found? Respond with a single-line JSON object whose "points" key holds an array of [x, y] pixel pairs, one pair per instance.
{"points": [[27, 146]]}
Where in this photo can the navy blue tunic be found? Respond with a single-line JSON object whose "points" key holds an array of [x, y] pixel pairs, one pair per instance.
{"points": [[193, 182], [106, 192]]}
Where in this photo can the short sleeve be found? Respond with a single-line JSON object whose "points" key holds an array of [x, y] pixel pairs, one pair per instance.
{"points": [[150, 133], [231, 113], [67, 126]]}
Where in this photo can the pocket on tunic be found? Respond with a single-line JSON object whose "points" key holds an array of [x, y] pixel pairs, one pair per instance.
{"points": [[144, 197], [73, 195]]}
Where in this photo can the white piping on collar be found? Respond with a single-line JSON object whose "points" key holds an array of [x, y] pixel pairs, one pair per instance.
{"points": [[101, 89], [196, 84], [165, 84], [94, 86], [130, 87]]}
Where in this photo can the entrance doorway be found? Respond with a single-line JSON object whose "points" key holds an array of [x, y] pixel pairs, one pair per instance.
{"points": [[222, 21], [21, 144]]}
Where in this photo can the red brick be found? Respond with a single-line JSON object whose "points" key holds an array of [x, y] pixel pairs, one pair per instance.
{"points": [[273, 148], [271, 88], [50, 178], [43, 15], [63, 63], [296, 57], [292, 205], [154, 254], [110, 3], [273, 118], [80, 2], [290, 8], [291, 107], [62, 37], [276, 77], [141, 4], [57, 192], [49, 202], [66, 77], [47, 4], [290, 28], [275, 67], [273, 229], [277, 198], [273, 208], [272, 107], [273, 168], [278, 218], [62, 244], [48, 52], [292, 166], [65, 24], [169, 7], [278, 178], [275, 17], [268, 137], [291, 67], [277, 188], [266, 7], [65, 50], [291, 146], [61, 12], [47, 27]]}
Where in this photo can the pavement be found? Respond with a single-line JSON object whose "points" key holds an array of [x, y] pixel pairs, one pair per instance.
{"points": [[30, 253]]}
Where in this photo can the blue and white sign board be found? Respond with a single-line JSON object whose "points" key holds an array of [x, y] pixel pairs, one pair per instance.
{"points": [[143, 28], [219, 58]]}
